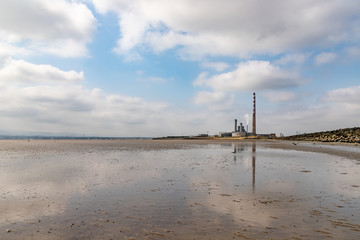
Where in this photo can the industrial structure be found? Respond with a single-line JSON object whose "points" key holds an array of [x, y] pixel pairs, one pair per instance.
{"points": [[254, 115], [239, 131]]}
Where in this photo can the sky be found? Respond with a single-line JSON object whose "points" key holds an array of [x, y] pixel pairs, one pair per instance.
{"points": [[149, 68]]}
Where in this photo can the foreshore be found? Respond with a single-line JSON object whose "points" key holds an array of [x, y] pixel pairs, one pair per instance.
{"points": [[342, 149], [349, 150], [178, 189]]}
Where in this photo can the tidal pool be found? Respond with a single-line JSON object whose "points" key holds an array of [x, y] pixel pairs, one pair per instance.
{"points": [[147, 189]]}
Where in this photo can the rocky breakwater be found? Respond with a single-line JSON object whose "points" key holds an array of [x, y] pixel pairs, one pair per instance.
{"points": [[346, 135]]}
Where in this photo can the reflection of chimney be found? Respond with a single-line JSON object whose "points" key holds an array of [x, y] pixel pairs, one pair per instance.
{"points": [[235, 125], [253, 164], [254, 115]]}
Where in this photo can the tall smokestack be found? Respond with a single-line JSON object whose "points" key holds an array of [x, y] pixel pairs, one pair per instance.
{"points": [[235, 125], [254, 115]]}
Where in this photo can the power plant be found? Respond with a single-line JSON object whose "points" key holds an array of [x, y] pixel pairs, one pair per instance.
{"points": [[239, 131]]}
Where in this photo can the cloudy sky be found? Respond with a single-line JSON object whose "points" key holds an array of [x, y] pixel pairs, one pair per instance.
{"points": [[168, 67]]}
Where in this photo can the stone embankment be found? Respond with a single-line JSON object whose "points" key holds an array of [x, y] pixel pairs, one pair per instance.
{"points": [[347, 135]]}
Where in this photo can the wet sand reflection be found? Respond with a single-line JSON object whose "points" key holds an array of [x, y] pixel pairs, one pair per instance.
{"points": [[174, 190], [253, 148], [238, 148]]}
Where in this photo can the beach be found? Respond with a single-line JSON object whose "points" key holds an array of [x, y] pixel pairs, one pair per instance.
{"points": [[178, 189]]}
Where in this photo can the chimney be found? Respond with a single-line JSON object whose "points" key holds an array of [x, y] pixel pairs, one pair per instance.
{"points": [[254, 115], [235, 125]]}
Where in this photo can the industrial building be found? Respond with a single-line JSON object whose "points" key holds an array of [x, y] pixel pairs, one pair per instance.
{"points": [[239, 130]]}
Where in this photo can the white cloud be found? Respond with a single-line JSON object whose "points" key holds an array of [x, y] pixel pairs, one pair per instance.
{"points": [[132, 31], [233, 27], [8, 50], [251, 75], [297, 58], [65, 48], [338, 108], [44, 99], [353, 51], [58, 27], [325, 57], [350, 95], [218, 101], [19, 71], [73, 108], [279, 96], [218, 66], [104, 6], [76, 109], [209, 97]]}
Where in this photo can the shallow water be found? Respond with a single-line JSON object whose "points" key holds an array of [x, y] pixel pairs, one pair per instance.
{"points": [[175, 190]]}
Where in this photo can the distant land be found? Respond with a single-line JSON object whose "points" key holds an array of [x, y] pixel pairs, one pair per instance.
{"points": [[9, 137], [56, 135], [346, 135]]}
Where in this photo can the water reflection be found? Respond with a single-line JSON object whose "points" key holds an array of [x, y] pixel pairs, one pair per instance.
{"points": [[253, 151], [239, 149]]}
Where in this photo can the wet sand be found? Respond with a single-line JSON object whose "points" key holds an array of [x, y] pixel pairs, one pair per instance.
{"points": [[176, 189]]}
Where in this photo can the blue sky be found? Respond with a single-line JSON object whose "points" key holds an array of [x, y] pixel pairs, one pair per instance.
{"points": [[163, 67]]}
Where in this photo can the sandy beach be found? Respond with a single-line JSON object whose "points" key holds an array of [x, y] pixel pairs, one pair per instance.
{"points": [[177, 189]]}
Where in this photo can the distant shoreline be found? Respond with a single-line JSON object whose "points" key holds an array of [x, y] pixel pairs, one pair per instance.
{"points": [[7, 137], [196, 140]]}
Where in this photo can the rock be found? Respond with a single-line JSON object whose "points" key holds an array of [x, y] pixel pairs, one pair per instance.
{"points": [[347, 135]]}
